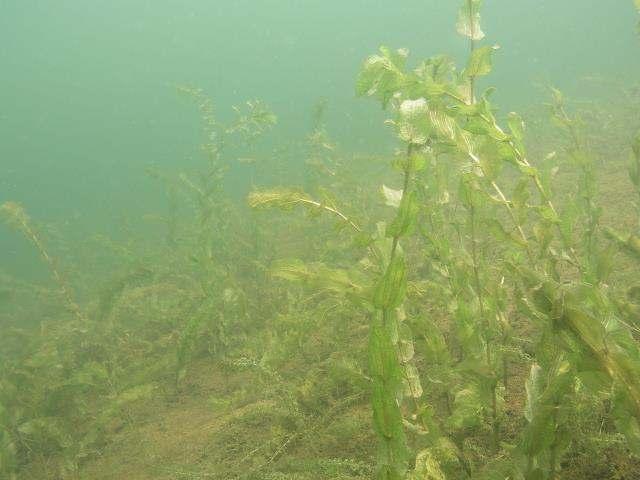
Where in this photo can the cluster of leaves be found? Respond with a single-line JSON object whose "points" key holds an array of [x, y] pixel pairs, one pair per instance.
{"points": [[494, 259]]}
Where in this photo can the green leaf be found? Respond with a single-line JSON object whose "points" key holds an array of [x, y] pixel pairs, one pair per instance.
{"points": [[543, 405], [467, 408], [630, 244], [557, 96], [391, 289], [439, 68], [382, 75], [278, 198], [427, 467], [318, 276], [480, 126], [481, 62], [433, 344], [528, 170], [500, 232], [625, 423], [392, 197], [411, 382], [413, 122], [405, 220], [533, 387], [417, 162], [516, 125], [595, 380]]}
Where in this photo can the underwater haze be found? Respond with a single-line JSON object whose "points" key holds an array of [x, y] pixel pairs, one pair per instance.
{"points": [[88, 87], [297, 239]]}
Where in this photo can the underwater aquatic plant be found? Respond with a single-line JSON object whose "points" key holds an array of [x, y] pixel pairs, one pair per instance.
{"points": [[550, 272], [469, 300], [16, 217]]}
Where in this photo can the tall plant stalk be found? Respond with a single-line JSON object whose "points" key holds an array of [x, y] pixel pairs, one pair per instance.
{"points": [[384, 363], [474, 35]]}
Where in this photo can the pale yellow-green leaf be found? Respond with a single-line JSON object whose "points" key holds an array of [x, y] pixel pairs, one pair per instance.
{"points": [[427, 467], [468, 24], [392, 197]]}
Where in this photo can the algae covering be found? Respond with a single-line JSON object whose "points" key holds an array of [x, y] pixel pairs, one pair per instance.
{"points": [[198, 286]]}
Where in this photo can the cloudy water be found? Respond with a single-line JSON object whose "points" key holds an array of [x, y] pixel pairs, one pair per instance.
{"points": [[234, 227]]}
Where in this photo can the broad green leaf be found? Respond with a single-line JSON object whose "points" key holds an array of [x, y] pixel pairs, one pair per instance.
{"points": [[430, 89], [480, 62], [382, 75], [405, 219], [480, 126], [439, 68], [392, 197], [467, 409], [413, 123], [391, 289]]}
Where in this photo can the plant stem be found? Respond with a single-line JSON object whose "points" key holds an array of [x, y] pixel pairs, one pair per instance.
{"points": [[474, 254], [472, 47]]}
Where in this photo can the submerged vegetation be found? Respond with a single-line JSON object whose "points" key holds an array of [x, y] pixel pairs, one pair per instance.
{"points": [[476, 314]]}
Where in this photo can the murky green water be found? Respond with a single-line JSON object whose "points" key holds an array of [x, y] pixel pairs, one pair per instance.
{"points": [[476, 317]]}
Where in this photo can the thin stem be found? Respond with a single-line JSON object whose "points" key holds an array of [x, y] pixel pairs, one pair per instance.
{"points": [[472, 47], [336, 212], [474, 254], [31, 234]]}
